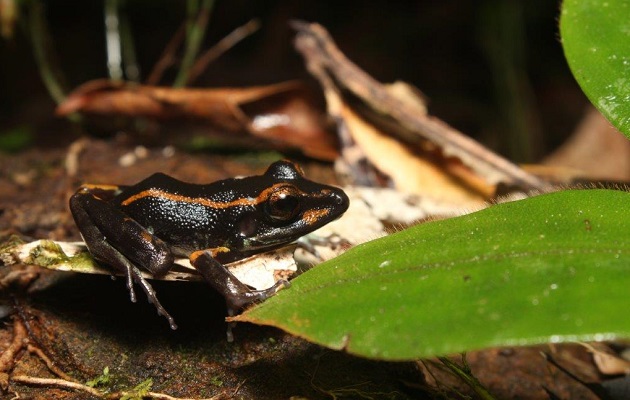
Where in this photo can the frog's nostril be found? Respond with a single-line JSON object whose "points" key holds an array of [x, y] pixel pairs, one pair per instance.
{"points": [[341, 198]]}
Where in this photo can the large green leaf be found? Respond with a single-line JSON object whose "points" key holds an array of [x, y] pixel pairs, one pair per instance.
{"points": [[551, 268], [596, 39]]}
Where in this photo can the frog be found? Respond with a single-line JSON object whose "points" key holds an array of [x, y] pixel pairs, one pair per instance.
{"points": [[148, 225]]}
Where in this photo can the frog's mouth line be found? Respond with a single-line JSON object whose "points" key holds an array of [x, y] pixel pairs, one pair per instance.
{"points": [[312, 220]]}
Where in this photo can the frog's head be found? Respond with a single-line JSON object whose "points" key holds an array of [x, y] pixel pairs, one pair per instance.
{"points": [[289, 207]]}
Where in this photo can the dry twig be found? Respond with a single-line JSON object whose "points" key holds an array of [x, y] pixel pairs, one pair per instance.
{"points": [[20, 337], [64, 384]]}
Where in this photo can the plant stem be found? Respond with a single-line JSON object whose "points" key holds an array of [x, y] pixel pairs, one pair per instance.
{"points": [[466, 375], [194, 36], [221, 47], [40, 40], [130, 60], [112, 40]]}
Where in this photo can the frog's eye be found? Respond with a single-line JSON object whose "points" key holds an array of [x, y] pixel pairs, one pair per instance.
{"points": [[284, 203]]}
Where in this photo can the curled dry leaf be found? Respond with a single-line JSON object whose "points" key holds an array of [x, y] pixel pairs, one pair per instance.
{"points": [[607, 361], [596, 150], [281, 116], [260, 271], [420, 153]]}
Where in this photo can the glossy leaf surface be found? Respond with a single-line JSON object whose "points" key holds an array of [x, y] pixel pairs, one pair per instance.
{"points": [[596, 40], [550, 268]]}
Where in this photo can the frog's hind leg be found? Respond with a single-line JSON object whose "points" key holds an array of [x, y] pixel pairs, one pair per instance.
{"points": [[105, 229], [236, 293]]}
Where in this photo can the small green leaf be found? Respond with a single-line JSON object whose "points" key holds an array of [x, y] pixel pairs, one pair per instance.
{"points": [[216, 381], [551, 268], [596, 40], [102, 380], [139, 392], [16, 139]]}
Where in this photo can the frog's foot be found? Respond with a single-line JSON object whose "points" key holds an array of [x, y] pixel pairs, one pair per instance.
{"points": [[240, 298], [236, 301], [136, 276], [237, 294], [309, 243]]}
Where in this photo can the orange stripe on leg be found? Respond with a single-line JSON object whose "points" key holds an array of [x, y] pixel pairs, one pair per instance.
{"points": [[214, 252]]}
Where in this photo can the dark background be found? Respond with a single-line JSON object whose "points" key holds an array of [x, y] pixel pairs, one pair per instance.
{"points": [[493, 68]]}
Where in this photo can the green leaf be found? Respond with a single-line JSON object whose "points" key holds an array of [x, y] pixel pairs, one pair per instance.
{"points": [[16, 139], [596, 40], [102, 380], [139, 392], [551, 268]]}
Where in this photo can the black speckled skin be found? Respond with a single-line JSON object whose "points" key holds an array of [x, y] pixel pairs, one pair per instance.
{"points": [[191, 226], [146, 225]]}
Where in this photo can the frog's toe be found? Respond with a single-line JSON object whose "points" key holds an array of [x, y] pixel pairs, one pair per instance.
{"points": [[281, 283], [129, 278], [152, 297], [237, 301]]}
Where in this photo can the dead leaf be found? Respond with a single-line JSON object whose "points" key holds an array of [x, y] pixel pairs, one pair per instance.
{"points": [[606, 360], [283, 115], [418, 152], [9, 15], [411, 173], [257, 271], [596, 150]]}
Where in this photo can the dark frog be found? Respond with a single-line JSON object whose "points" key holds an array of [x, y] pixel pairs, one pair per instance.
{"points": [[147, 225]]}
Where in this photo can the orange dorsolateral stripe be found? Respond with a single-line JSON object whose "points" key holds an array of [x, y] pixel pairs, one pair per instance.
{"points": [[244, 201], [156, 193]]}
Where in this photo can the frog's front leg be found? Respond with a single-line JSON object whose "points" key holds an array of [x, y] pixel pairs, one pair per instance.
{"points": [[237, 294], [120, 242]]}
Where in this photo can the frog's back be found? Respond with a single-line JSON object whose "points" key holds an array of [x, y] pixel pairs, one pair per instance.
{"points": [[186, 214]]}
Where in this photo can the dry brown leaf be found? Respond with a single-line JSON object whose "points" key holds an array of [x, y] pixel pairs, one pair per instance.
{"points": [[412, 173], [596, 150], [281, 115], [606, 360], [429, 154]]}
